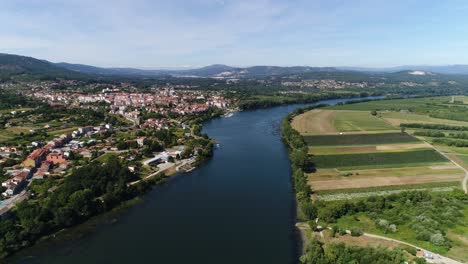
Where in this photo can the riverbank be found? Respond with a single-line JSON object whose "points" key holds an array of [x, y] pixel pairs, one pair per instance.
{"points": [[223, 202], [81, 231]]}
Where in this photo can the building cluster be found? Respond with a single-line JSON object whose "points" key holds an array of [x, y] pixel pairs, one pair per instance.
{"points": [[130, 105], [51, 158], [325, 84], [181, 102]]}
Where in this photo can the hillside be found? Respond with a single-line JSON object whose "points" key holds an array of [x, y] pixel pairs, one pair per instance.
{"points": [[212, 71], [442, 69], [15, 65]]}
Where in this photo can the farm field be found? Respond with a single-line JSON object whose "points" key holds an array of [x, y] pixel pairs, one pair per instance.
{"points": [[336, 174], [410, 104], [359, 139], [354, 150], [377, 181], [339, 194], [317, 121], [378, 160], [359, 121], [320, 121], [397, 118], [324, 150], [358, 163]]}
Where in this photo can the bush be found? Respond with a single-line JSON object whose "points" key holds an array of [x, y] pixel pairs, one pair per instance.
{"points": [[409, 249], [335, 230], [356, 231], [437, 239], [312, 225], [309, 210]]}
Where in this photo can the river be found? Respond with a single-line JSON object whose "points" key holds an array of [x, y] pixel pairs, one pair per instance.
{"points": [[236, 208]]}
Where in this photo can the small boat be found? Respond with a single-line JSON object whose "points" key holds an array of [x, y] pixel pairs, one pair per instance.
{"points": [[228, 114]]}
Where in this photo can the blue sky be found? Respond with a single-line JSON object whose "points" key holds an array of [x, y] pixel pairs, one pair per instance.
{"points": [[191, 33]]}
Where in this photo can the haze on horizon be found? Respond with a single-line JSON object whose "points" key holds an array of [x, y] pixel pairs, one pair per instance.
{"points": [[191, 33]]}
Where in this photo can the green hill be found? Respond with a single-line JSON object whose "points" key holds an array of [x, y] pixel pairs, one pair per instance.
{"points": [[15, 66]]}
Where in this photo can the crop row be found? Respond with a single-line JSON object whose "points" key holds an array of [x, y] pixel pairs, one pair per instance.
{"points": [[378, 159], [359, 139]]}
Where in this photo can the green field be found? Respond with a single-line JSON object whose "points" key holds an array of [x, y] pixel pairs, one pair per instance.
{"points": [[359, 121], [411, 104], [431, 107], [105, 157], [378, 160], [359, 139], [392, 188]]}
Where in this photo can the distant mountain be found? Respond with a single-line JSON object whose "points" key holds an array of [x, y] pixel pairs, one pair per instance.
{"points": [[213, 71], [208, 71], [13, 65], [110, 71], [447, 69], [223, 71]]}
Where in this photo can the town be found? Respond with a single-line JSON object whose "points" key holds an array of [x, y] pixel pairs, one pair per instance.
{"points": [[153, 133]]}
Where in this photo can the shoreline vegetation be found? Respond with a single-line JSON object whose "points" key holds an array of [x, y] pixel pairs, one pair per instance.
{"points": [[411, 215], [87, 227]]}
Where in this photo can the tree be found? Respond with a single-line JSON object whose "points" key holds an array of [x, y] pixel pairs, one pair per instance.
{"points": [[309, 210], [82, 202], [356, 231]]}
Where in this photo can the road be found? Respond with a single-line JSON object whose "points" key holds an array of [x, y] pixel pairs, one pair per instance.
{"points": [[436, 257], [465, 179], [7, 204], [162, 167]]}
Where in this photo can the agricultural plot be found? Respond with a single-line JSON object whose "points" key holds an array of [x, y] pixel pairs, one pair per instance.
{"points": [[354, 151], [337, 174], [411, 104], [319, 121], [365, 160], [397, 118], [359, 139], [359, 121], [355, 183], [378, 160], [393, 189], [326, 150], [316, 121]]}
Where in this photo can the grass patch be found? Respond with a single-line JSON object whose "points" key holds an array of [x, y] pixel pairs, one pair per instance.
{"points": [[395, 159], [105, 157], [391, 188], [359, 121], [359, 139], [405, 233], [62, 131]]}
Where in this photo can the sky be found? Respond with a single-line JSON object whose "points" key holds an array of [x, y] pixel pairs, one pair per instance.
{"points": [[193, 33]]}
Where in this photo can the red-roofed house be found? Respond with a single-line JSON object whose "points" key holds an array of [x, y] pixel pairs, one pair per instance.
{"points": [[35, 158], [56, 158]]}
